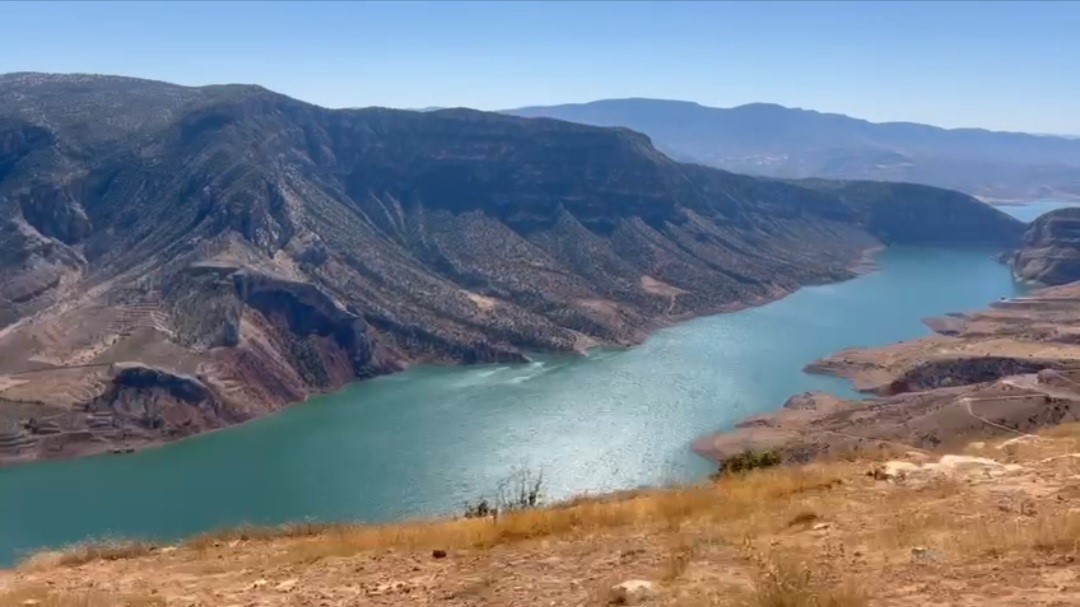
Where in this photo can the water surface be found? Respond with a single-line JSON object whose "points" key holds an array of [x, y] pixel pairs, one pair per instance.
{"points": [[425, 441], [1030, 211]]}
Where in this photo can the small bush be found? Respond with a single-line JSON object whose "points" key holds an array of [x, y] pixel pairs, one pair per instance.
{"points": [[107, 550], [746, 461], [787, 582], [522, 490]]}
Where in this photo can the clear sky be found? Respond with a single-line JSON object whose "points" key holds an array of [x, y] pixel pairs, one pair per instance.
{"points": [[995, 65]]}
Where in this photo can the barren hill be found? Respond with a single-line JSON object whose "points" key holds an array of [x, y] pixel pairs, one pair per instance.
{"points": [[174, 259]]}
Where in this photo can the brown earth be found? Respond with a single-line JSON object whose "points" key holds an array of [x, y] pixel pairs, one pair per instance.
{"points": [[1008, 370], [998, 526]]}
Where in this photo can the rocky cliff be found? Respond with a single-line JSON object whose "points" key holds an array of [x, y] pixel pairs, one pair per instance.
{"points": [[1050, 254], [241, 250]]}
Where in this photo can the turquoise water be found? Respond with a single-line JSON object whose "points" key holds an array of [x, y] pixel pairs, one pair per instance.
{"points": [[425, 441]]}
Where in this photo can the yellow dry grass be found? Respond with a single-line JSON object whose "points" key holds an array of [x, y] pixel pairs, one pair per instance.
{"points": [[784, 580], [1057, 533], [806, 536], [44, 597], [726, 500], [729, 499]]}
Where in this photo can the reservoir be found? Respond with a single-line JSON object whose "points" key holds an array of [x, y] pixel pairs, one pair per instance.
{"points": [[426, 441]]}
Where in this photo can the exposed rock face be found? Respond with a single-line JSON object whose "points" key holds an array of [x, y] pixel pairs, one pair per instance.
{"points": [[1050, 254], [270, 249]]}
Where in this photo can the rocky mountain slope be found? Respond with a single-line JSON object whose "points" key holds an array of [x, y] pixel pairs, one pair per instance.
{"points": [[174, 259], [776, 141], [1050, 254]]}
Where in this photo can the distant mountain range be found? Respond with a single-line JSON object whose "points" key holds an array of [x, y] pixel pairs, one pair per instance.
{"points": [[776, 141]]}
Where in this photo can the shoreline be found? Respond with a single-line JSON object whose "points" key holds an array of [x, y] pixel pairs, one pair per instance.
{"points": [[860, 265], [979, 375]]}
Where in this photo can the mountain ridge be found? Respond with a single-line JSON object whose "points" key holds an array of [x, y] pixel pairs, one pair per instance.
{"points": [[177, 259], [777, 141]]}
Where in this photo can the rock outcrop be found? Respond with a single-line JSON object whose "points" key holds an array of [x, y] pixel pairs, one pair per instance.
{"points": [[1050, 254], [271, 249], [1006, 371]]}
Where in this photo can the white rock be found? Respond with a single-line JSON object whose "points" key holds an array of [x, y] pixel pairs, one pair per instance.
{"points": [[967, 462], [632, 592], [895, 470], [287, 585], [1024, 438]]}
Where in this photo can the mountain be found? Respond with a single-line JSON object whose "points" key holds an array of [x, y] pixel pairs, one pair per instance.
{"points": [[776, 141], [174, 259], [1050, 254]]}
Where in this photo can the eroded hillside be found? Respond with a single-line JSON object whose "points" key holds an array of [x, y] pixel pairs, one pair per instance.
{"points": [[176, 259]]}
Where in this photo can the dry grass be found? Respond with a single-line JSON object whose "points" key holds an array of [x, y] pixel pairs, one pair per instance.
{"points": [[725, 500], [80, 554], [786, 581], [43, 597], [250, 533], [1053, 533], [686, 539], [680, 554], [728, 499]]}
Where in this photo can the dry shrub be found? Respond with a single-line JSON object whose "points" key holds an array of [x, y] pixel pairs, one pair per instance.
{"points": [[252, 533], [785, 581], [79, 554], [1057, 533], [680, 553]]}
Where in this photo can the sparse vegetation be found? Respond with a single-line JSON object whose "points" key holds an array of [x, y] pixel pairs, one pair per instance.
{"points": [[522, 490], [786, 581], [744, 540], [101, 550], [748, 460]]}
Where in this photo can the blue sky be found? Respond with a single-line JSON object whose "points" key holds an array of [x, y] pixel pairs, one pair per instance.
{"points": [[995, 65]]}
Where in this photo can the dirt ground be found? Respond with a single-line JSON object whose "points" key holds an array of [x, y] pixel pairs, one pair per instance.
{"points": [[997, 526]]}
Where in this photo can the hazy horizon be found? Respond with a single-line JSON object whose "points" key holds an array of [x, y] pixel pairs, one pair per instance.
{"points": [[997, 66]]}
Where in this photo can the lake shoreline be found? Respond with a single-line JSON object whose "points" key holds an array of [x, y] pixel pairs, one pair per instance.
{"points": [[422, 443], [923, 389], [861, 264]]}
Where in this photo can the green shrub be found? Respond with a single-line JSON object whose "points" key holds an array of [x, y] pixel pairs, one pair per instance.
{"points": [[746, 461]]}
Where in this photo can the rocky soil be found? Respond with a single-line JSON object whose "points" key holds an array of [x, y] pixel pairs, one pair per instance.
{"points": [[998, 524]]}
